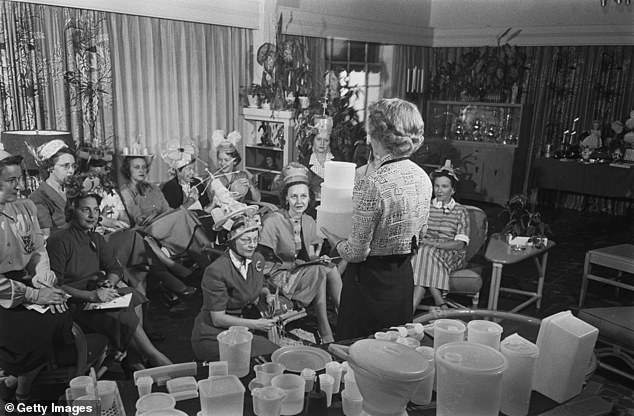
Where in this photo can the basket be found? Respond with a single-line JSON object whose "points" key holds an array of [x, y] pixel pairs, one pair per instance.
{"points": [[116, 410]]}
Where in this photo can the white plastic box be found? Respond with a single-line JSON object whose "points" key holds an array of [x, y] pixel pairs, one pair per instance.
{"points": [[221, 396]]}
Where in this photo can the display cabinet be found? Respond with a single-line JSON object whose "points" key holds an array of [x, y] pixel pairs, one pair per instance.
{"points": [[480, 139], [268, 144]]}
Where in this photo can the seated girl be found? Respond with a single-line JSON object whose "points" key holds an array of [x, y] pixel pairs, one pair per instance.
{"points": [[241, 182], [443, 247], [184, 189], [231, 284], [289, 239], [87, 269]]}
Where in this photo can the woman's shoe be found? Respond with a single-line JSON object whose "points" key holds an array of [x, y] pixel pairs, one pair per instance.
{"points": [[188, 292]]}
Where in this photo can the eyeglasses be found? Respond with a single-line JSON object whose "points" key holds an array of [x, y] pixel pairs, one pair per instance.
{"points": [[68, 166], [246, 240]]}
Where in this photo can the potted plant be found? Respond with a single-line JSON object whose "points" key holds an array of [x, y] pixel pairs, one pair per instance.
{"points": [[524, 226], [253, 95]]}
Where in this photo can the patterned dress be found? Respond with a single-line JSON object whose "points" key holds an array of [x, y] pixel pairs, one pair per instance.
{"points": [[433, 265]]}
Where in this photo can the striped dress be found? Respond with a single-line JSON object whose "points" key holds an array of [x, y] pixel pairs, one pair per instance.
{"points": [[433, 265]]}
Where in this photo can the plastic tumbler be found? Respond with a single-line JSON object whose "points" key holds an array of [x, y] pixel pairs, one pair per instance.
{"points": [[485, 333], [293, 385], [517, 381], [265, 372], [448, 330], [333, 368], [267, 401], [105, 391], [144, 385], [309, 376], [78, 386], [235, 349], [422, 394], [327, 383], [351, 405]]}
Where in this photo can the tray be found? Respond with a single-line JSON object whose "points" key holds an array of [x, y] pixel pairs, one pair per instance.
{"points": [[116, 410], [296, 358]]}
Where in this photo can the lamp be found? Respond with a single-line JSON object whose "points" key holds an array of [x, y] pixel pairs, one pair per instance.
{"points": [[14, 142]]}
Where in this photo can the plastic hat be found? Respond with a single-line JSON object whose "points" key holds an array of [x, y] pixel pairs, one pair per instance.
{"points": [[245, 223], [226, 215], [177, 155], [295, 172], [49, 149], [448, 170]]}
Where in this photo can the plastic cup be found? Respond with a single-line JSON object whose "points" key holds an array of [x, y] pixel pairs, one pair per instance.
{"points": [[267, 401], [485, 333], [78, 386], [351, 405], [218, 368], [333, 368], [351, 386], [265, 372], [235, 348], [327, 383], [155, 401], [422, 394], [293, 385], [144, 385], [448, 330], [105, 391], [309, 376]]}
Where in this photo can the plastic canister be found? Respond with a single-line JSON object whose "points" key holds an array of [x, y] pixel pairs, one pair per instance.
{"points": [[469, 379], [386, 373], [221, 396], [517, 381], [235, 348], [484, 332], [448, 330]]}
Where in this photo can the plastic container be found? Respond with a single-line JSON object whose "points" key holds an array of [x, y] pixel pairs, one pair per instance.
{"points": [[78, 386], [105, 391], [221, 396], [350, 384], [351, 405], [327, 384], [154, 401], [309, 376], [165, 412], [181, 384], [264, 373], [566, 344], [88, 400], [517, 381], [408, 342], [422, 394], [448, 330], [144, 385], [218, 368], [386, 374], [294, 386], [485, 333], [267, 401], [235, 349], [334, 369], [469, 379]]}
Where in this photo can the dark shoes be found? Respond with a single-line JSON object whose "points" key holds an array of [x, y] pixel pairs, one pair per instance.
{"points": [[188, 292]]}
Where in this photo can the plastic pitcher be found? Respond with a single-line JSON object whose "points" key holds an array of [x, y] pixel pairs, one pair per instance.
{"points": [[235, 349], [469, 379], [521, 355]]}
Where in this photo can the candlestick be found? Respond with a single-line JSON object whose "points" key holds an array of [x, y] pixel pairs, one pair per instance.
{"points": [[574, 124], [563, 141], [409, 74]]}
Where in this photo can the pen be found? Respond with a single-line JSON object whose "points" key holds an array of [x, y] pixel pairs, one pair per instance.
{"points": [[66, 295]]}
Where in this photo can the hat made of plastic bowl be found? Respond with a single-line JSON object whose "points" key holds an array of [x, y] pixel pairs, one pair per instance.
{"points": [[49, 149], [295, 173], [149, 158], [448, 169], [225, 215], [178, 155]]}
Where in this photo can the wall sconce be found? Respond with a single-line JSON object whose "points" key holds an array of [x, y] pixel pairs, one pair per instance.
{"points": [[618, 2]]}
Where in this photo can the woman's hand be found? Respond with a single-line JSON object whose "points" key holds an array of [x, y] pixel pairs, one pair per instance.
{"points": [[263, 324], [46, 279], [105, 294], [50, 296]]}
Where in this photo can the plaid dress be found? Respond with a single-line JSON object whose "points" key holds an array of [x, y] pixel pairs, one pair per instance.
{"points": [[433, 265]]}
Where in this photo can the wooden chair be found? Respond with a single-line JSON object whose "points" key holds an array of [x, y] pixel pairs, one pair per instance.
{"points": [[468, 281]]}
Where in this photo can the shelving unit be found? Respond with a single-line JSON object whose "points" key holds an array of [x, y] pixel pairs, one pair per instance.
{"points": [[269, 144]]}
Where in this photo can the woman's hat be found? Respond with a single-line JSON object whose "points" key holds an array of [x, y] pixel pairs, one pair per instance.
{"points": [[177, 155], [295, 172], [149, 158], [226, 215], [448, 170], [46, 150]]}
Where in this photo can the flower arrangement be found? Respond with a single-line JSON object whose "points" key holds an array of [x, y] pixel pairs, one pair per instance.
{"points": [[525, 222]]}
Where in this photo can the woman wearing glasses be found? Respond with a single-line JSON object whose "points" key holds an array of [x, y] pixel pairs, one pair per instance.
{"points": [[57, 165]]}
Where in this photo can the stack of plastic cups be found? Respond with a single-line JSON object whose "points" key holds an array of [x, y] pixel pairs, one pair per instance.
{"points": [[327, 383], [309, 376], [333, 369], [485, 333], [422, 394], [448, 330], [521, 355]]}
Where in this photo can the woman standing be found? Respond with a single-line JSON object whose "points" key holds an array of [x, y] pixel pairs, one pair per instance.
{"points": [[391, 206], [289, 239], [57, 163], [442, 248], [231, 283]]}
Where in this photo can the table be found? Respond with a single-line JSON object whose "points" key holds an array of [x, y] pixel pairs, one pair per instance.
{"points": [[619, 257], [499, 252]]}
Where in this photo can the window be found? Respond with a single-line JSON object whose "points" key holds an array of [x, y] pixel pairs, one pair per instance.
{"points": [[360, 62]]}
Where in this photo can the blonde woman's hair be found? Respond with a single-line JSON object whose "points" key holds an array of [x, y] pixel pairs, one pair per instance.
{"points": [[397, 124]]}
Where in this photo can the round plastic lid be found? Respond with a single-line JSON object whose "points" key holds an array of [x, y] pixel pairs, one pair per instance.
{"points": [[519, 347], [388, 359], [470, 357], [155, 401]]}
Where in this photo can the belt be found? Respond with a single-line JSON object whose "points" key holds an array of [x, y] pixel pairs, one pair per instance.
{"points": [[394, 258]]}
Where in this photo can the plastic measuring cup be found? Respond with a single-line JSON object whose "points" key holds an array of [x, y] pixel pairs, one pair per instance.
{"points": [[235, 349], [264, 373]]}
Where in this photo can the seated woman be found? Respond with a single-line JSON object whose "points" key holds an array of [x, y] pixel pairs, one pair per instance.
{"points": [[57, 163], [289, 239], [28, 338], [241, 182], [230, 284], [183, 189], [443, 247], [88, 271], [178, 230]]}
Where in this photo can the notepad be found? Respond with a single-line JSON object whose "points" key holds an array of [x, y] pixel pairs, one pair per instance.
{"points": [[120, 302]]}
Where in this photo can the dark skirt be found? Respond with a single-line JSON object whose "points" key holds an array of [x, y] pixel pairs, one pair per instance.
{"points": [[118, 325], [376, 294], [29, 339]]}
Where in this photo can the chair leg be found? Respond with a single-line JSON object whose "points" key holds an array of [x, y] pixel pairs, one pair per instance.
{"points": [[475, 300]]}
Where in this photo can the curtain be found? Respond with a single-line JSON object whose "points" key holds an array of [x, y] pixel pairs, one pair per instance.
{"points": [[55, 71], [175, 81]]}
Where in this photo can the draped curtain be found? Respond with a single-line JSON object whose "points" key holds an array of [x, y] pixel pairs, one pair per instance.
{"points": [[55, 71], [175, 81]]}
